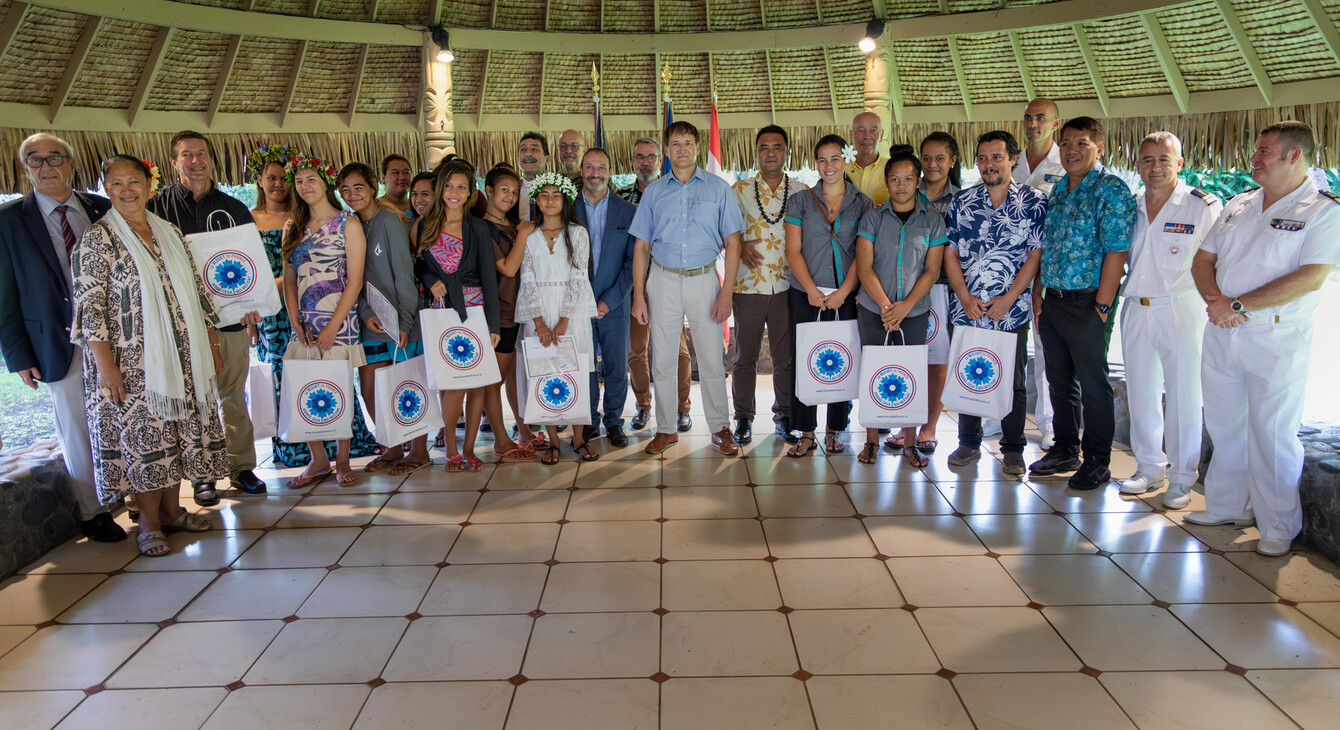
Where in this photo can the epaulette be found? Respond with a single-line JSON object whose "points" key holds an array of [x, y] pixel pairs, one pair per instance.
{"points": [[1334, 198], [1207, 198]]}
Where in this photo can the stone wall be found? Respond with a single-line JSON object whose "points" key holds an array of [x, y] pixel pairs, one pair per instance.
{"points": [[37, 505]]}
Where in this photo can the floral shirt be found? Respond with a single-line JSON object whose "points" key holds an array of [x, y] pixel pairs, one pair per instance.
{"points": [[770, 276], [992, 245], [1083, 226]]}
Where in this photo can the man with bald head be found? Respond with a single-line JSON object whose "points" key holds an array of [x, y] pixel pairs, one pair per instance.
{"points": [[867, 171], [570, 149]]}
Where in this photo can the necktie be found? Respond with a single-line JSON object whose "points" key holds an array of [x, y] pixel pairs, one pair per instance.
{"points": [[66, 232]]}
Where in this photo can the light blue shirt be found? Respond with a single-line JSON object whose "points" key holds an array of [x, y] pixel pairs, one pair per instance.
{"points": [[595, 225], [78, 220], [686, 223]]}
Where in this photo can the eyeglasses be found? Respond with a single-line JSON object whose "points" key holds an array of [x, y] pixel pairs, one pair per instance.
{"points": [[35, 162]]}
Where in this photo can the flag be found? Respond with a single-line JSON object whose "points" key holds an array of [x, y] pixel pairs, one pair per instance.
{"points": [[714, 148], [665, 154], [600, 127]]}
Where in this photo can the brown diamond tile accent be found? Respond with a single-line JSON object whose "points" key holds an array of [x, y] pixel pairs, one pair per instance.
{"points": [[94, 689], [1103, 554], [771, 558], [662, 520], [167, 622], [785, 609], [222, 571], [881, 556], [909, 607], [858, 516], [1287, 602], [482, 490], [271, 528], [840, 483], [1090, 671], [234, 686], [659, 677], [1161, 604], [290, 619], [464, 524], [1215, 551], [394, 491], [661, 611], [946, 674], [536, 613], [751, 485], [365, 525], [442, 564], [118, 571], [802, 675], [562, 522], [518, 680], [551, 562], [761, 518], [44, 624], [1235, 669], [414, 616], [1035, 605], [960, 514], [1058, 513], [990, 554], [375, 683], [661, 561], [333, 566]]}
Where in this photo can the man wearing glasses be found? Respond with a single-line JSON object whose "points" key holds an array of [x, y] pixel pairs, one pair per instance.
{"points": [[37, 235]]}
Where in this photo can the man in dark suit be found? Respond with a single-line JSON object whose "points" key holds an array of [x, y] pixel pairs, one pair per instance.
{"points": [[37, 234], [607, 218]]}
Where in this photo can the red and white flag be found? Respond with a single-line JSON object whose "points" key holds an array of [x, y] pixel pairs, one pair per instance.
{"points": [[714, 148]]}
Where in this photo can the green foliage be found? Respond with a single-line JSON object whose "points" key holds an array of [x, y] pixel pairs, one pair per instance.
{"points": [[1223, 184]]}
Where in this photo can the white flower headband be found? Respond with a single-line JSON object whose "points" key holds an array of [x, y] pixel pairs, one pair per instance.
{"points": [[849, 154], [563, 184]]}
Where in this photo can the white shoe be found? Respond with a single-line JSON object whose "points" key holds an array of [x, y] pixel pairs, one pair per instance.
{"points": [[1206, 517], [1272, 547], [1048, 440], [1178, 496], [1141, 483]]}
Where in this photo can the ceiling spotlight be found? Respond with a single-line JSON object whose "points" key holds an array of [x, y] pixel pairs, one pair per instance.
{"points": [[873, 30], [444, 53]]}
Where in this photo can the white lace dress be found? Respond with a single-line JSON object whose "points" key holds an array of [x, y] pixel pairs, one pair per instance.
{"points": [[553, 287]]}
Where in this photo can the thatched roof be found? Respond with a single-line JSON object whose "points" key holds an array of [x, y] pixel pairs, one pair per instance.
{"points": [[266, 67]]}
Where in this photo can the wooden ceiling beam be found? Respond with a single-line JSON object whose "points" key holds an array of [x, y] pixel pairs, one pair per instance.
{"points": [[539, 109], [964, 91], [895, 84], [1324, 26], [818, 10], [373, 7], [11, 25], [358, 85], [772, 89], [76, 62], [1022, 62], [229, 59], [1166, 59], [832, 90], [435, 12], [1095, 75], [89, 119], [1247, 51], [312, 7], [483, 87], [287, 103], [151, 69]]}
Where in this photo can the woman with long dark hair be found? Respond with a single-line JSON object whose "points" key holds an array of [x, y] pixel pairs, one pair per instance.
{"points": [[455, 263], [555, 299], [821, 251], [421, 194]]}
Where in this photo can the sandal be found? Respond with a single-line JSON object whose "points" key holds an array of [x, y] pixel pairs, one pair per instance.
{"points": [[347, 479], [539, 443], [895, 440], [914, 457], [832, 445], [308, 480], [550, 457], [518, 453], [801, 448], [928, 446], [867, 455], [381, 462], [441, 441], [187, 522], [153, 544], [456, 464], [474, 463], [584, 452], [409, 466]]}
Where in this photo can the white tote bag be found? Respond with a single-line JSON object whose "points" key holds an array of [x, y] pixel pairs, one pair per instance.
{"points": [[317, 401], [557, 399], [937, 327], [981, 372], [261, 400], [893, 386], [232, 264], [828, 361], [460, 354], [406, 409]]}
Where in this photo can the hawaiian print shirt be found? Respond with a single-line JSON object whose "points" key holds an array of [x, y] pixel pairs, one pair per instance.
{"points": [[770, 276], [1084, 225], [992, 245]]}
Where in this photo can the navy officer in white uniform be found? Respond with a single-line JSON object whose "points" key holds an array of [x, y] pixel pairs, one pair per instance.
{"points": [[1260, 271]]}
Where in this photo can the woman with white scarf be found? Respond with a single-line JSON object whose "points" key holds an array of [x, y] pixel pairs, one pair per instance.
{"points": [[151, 356]]}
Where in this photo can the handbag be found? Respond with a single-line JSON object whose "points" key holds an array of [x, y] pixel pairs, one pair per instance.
{"points": [[556, 398], [981, 376], [828, 356], [893, 381], [316, 401], [937, 332], [406, 409], [460, 354], [234, 269], [261, 400]]}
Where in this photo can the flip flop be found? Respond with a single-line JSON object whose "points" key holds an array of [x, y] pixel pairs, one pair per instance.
{"points": [[187, 522], [474, 463], [347, 480], [550, 451], [381, 462], [455, 464], [153, 541], [867, 455], [895, 440], [309, 480], [914, 457], [517, 453], [408, 466], [928, 446]]}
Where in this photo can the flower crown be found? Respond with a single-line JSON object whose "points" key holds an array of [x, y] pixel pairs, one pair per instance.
{"points": [[563, 184], [255, 162], [297, 163], [154, 176]]}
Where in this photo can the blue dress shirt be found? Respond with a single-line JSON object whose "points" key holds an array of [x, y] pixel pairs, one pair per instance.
{"points": [[595, 224], [685, 223]]}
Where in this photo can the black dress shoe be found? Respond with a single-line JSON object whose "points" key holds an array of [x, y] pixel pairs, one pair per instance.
{"points": [[617, 438], [640, 419], [783, 429], [248, 482], [685, 422], [744, 431], [205, 495], [590, 432], [1091, 475], [1055, 461], [102, 528]]}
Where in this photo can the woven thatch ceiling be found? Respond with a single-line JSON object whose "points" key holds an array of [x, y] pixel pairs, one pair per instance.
{"points": [[342, 65]]}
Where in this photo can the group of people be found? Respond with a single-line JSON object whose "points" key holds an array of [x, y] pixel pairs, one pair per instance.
{"points": [[101, 300]]}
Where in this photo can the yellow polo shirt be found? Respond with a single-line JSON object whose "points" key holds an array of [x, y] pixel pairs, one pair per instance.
{"points": [[870, 180]]}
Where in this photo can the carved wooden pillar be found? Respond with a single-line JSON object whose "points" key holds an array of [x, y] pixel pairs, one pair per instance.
{"points": [[879, 91], [438, 125]]}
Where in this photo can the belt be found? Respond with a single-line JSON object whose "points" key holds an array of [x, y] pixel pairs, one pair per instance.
{"points": [[1072, 293], [697, 271], [1274, 319]]}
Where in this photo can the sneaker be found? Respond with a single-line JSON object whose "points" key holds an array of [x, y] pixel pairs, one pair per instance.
{"points": [[1014, 464], [1091, 475], [1053, 463], [1141, 482], [1206, 517], [205, 495], [1178, 496], [964, 455], [1273, 548]]}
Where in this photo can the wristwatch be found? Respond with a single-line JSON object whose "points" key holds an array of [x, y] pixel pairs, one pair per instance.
{"points": [[1103, 308], [1237, 306]]}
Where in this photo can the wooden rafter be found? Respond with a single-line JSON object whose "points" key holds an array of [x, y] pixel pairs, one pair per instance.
{"points": [[895, 85], [81, 48], [544, 69], [772, 90], [287, 103], [660, 100], [312, 7], [373, 7], [1170, 70], [1324, 26], [763, 13], [151, 68], [601, 25], [707, 13], [832, 91], [434, 12], [1247, 51], [1099, 88], [483, 85], [358, 84], [818, 10], [655, 18], [12, 21], [964, 91], [1022, 63], [225, 71]]}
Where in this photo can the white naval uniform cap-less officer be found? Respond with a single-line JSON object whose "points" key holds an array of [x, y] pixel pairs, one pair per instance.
{"points": [[1254, 375], [1162, 321]]}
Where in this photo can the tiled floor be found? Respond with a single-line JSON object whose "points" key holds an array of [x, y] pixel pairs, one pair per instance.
{"points": [[689, 591]]}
